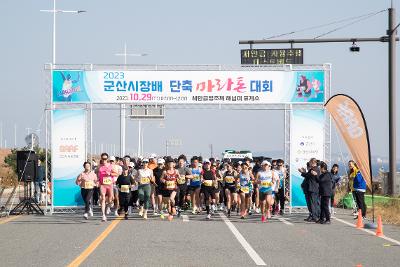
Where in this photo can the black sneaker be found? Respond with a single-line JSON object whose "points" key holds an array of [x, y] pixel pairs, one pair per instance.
{"points": [[327, 222], [126, 216], [281, 212]]}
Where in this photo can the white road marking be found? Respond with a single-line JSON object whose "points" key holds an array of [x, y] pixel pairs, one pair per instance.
{"points": [[369, 231], [285, 221], [185, 218], [252, 253]]}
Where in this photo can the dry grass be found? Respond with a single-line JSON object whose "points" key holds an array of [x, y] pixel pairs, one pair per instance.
{"points": [[390, 212], [7, 176]]}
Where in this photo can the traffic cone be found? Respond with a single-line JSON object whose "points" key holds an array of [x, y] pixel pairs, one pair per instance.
{"points": [[359, 220], [379, 230]]}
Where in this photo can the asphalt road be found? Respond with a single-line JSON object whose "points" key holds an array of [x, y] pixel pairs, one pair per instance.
{"points": [[284, 241]]}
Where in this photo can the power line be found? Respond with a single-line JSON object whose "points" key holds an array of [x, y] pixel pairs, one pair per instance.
{"points": [[349, 24], [325, 24]]}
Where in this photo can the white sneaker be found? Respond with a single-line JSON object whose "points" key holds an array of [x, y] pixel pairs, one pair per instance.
{"points": [[108, 210], [208, 216], [116, 213], [91, 212], [85, 216], [141, 211], [104, 218], [258, 210], [155, 212]]}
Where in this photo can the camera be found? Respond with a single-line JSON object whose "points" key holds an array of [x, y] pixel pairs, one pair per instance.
{"points": [[354, 48]]}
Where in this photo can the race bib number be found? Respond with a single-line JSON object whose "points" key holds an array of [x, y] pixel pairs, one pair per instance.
{"points": [[144, 180], [125, 188], [229, 179], [170, 185], [182, 179], [196, 178], [107, 180], [88, 185], [245, 189], [208, 182], [266, 184]]}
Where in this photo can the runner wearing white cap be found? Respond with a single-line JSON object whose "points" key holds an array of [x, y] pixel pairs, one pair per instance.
{"points": [[266, 180]]}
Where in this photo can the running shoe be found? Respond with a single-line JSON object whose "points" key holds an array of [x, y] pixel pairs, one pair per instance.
{"points": [[155, 212], [263, 218], [126, 216], [104, 218], [170, 217], [194, 211], [208, 216], [162, 216], [145, 215], [250, 211], [85, 216], [281, 212], [108, 210], [258, 210], [129, 210], [222, 207], [91, 212], [141, 211], [116, 213]]}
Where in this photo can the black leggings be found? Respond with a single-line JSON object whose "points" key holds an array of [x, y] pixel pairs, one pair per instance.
{"points": [[134, 198], [87, 195], [361, 202], [124, 200], [180, 195]]}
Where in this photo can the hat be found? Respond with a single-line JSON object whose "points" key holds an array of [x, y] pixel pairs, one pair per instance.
{"points": [[145, 160], [153, 156], [206, 161], [160, 161], [266, 162], [125, 168], [112, 158], [131, 164]]}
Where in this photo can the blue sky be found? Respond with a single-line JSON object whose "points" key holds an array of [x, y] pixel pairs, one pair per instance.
{"points": [[188, 32]]}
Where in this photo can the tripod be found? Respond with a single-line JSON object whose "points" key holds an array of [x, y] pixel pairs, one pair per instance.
{"points": [[28, 203]]}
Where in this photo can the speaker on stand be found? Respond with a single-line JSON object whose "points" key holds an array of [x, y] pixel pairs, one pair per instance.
{"points": [[27, 168]]}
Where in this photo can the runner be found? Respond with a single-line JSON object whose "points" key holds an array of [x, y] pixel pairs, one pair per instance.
{"points": [[134, 189], [266, 180], [169, 179], [124, 184], [230, 189], [158, 171], [152, 165], [144, 178], [184, 174], [245, 180], [87, 180], [106, 186], [116, 171], [217, 185], [280, 195], [210, 182], [195, 184], [238, 170]]}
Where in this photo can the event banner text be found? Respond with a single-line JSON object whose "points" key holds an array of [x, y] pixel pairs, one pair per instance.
{"points": [[185, 87]]}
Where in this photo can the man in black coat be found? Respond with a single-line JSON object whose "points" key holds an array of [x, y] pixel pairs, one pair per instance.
{"points": [[304, 186], [325, 192], [312, 188]]}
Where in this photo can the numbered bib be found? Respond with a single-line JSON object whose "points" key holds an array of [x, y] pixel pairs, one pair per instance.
{"points": [[229, 179], [144, 180], [125, 188], [196, 178], [208, 182], [107, 180], [266, 184], [88, 185], [170, 185], [245, 189], [182, 179]]}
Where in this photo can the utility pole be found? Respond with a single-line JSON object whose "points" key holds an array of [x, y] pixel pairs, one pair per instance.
{"points": [[391, 38], [392, 33]]}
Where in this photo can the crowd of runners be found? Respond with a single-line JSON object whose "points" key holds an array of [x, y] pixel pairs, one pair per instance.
{"points": [[166, 186]]}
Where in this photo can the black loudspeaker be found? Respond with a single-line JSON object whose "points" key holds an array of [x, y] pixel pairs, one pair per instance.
{"points": [[27, 166]]}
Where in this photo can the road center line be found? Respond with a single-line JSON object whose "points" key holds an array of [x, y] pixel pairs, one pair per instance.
{"points": [[252, 253], [82, 257], [185, 218], [369, 231], [9, 219], [285, 221]]}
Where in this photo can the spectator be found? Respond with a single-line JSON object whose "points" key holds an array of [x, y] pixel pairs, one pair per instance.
{"points": [[325, 192], [39, 181], [359, 187], [335, 181]]}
